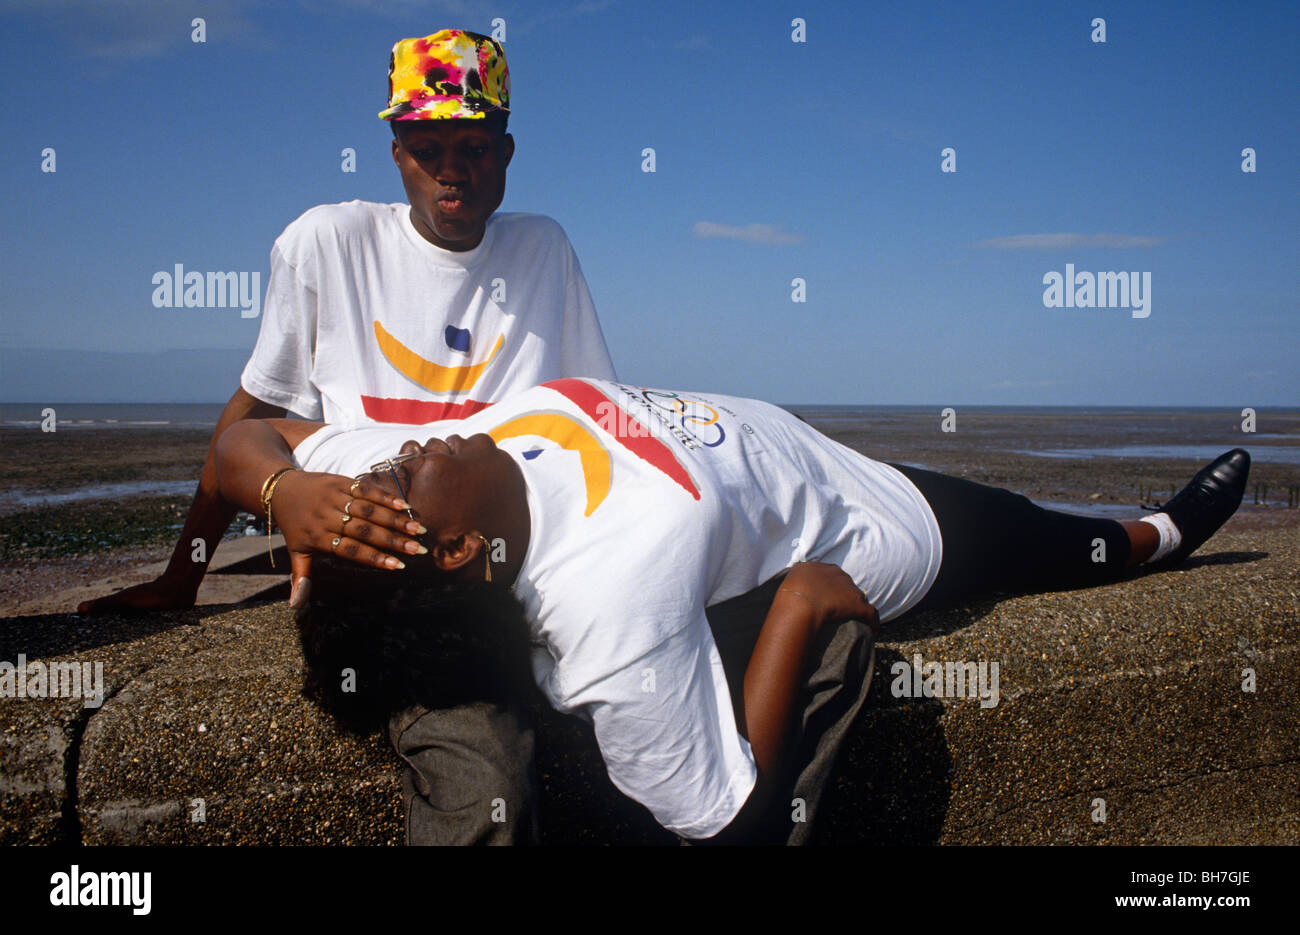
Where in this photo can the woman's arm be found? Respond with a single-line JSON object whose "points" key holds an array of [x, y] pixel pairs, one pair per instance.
{"points": [[308, 506], [812, 594], [248, 453]]}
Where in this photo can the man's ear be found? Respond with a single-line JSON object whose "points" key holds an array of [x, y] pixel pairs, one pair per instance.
{"points": [[509, 143], [452, 553], [397, 149]]}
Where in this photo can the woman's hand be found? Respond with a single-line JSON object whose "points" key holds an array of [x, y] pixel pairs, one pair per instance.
{"points": [[312, 510], [831, 592]]}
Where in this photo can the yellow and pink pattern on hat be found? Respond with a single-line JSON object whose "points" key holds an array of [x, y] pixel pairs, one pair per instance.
{"points": [[450, 75]]}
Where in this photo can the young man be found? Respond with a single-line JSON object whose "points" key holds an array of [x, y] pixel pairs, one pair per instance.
{"points": [[406, 313], [410, 313], [625, 513]]}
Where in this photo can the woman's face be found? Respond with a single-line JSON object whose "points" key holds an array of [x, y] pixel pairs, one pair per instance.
{"points": [[454, 484]]}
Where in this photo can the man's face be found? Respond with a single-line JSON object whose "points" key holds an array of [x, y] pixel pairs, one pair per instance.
{"points": [[454, 172]]}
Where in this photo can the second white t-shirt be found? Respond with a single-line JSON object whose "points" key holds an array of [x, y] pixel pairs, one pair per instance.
{"points": [[647, 506]]}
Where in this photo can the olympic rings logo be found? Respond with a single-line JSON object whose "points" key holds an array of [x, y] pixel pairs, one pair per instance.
{"points": [[696, 417]]}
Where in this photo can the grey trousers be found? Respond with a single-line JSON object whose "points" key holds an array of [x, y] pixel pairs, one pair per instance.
{"points": [[834, 692], [468, 775], [837, 678]]}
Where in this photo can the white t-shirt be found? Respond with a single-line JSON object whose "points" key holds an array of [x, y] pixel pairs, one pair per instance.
{"points": [[367, 322], [647, 506]]}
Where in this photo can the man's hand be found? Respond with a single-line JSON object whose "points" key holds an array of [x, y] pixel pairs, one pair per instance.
{"points": [[314, 509], [831, 592], [208, 518]]}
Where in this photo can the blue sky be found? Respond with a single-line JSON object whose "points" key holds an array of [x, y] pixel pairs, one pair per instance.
{"points": [[774, 159]]}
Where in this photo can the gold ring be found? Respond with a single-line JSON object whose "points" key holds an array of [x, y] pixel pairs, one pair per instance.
{"points": [[353, 489], [346, 519]]}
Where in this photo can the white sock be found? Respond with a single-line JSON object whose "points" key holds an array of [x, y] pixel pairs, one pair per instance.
{"points": [[1170, 537]]}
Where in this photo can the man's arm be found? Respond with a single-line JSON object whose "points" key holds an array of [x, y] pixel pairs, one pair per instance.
{"points": [[208, 520]]}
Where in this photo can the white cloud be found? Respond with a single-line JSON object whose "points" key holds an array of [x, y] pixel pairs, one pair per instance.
{"points": [[751, 233], [1064, 241], [1022, 384], [695, 43], [136, 29]]}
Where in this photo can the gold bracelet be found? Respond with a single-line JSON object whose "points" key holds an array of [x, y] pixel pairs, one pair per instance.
{"points": [[267, 485], [268, 491]]}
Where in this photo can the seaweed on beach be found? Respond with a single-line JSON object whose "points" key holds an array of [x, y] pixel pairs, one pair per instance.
{"points": [[91, 528], [73, 458]]}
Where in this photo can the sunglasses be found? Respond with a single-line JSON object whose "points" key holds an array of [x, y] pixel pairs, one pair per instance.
{"points": [[390, 465]]}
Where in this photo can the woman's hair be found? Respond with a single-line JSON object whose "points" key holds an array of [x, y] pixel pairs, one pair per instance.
{"points": [[376, 642]]}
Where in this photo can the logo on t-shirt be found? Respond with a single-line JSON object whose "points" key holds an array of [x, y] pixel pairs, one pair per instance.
{"points": [[432, 376], [626, 429], [571, 435], [693, 421], [437, 378]]}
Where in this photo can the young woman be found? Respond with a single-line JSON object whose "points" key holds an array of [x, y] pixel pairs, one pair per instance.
{"points": [[616, 515]]}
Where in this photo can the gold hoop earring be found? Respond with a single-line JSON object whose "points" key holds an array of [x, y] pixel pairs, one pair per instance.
{"points": [[487, 554]]}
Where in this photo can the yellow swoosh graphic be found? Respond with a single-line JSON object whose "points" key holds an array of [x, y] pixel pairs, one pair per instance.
{"points": [[571, 436], [429, 375]]}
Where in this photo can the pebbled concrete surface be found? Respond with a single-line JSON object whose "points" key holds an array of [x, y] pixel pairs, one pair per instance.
{"points": [[1130, 693]]}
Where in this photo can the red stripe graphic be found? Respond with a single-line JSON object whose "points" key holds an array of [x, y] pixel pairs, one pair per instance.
{"points": [[644, 445], [418, 411]]}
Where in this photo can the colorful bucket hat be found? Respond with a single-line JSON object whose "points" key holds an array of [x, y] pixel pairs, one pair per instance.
{"points": [[450, 75]]}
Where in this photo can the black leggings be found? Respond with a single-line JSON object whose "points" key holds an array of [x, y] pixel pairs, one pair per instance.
{"points": [[995, 540]]}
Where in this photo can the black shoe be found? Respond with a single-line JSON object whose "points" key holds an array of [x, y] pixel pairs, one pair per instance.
{"points": [[1205, 504]]}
